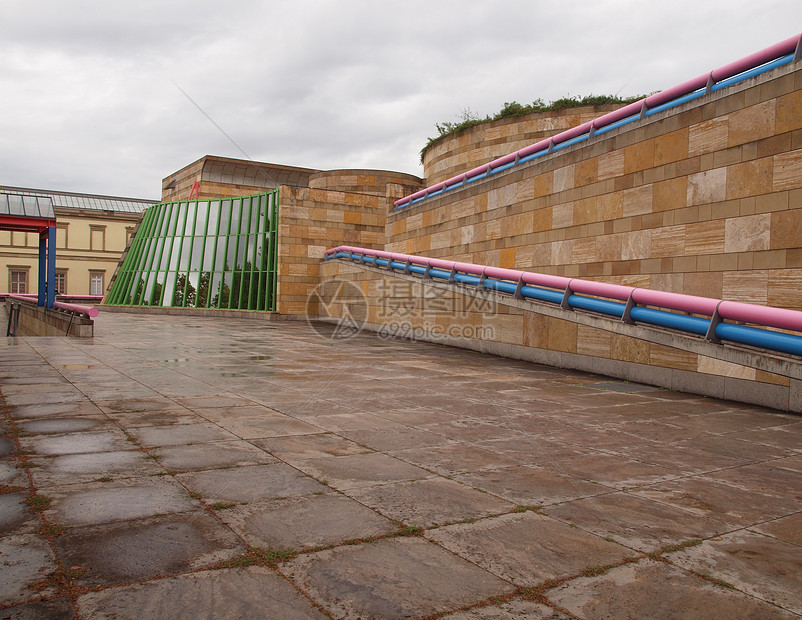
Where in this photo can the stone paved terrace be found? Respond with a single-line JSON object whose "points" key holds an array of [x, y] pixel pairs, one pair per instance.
{"points": [[207, 468]]}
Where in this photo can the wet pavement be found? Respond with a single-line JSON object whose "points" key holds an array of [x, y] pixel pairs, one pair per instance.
{"points": [[208, 468]]}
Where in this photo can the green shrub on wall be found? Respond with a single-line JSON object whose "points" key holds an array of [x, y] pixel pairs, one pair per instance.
{"points": [[511, 109]]}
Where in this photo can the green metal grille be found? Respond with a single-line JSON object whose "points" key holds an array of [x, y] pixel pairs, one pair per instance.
{"points": [[203, 254]]}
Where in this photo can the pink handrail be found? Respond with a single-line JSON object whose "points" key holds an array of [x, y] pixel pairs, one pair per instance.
{"points": [[28, 298], [89, 311]]}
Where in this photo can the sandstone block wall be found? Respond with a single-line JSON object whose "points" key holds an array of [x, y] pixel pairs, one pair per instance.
{"points": [[703, 199], [312, 220]]}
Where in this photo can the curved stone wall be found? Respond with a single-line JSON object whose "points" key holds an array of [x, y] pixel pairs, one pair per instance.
{"points": [[458, 153], [362, 181]]}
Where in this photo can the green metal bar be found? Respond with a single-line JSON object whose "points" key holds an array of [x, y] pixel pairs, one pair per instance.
{"points": [[181, 232], [164, 258], [273, 256], [253, 233], [133, 294], [236, 203], [244, 252], [152, 251], [203, 253], [226, 266], [168, 252], [123, 283], [191, 233], [214, 252], [263, 220], [152, 276]]}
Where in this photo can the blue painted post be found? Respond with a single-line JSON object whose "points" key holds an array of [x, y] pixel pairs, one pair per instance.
{"points": [[41, 298], [51, 266]]}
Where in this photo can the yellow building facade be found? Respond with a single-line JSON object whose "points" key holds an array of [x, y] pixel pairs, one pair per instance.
{"points": [[92, 233]]}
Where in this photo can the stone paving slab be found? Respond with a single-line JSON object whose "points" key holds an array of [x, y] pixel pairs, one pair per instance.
{"points": [[254, 592], [250, 483], [182, 434], [76, 443], [307, 522], [91, 466], [58, 609], [510, 611], [131, 498], [532, 485], [725, 502], [15, 518], [767, 568], [431, 502], [128, 551], [656, 590], [611, 470], [211, 456], [637, 522], [133, 419], [276, 425], [54, 425], [46, 410], [25, 560], [787, 528], [528, 548], [409, 577], [454, 458], [12, 476], [766, 478], [360, 470], [303, 447]]}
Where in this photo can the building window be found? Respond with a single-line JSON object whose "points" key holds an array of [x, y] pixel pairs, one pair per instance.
{"points": [[61, 236], [97, 239], [129, 231], [61, 282], [18, 281], [96, 282]]}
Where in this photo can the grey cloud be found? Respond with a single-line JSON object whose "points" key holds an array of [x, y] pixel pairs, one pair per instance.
{"points": [[90, 101]]}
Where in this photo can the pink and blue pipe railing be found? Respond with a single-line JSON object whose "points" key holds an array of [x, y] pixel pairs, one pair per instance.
{"points": [[777, 55], [719, 321], [76, 309]]}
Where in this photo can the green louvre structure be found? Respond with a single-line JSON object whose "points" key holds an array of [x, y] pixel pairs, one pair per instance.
{"points": [[218, 253]]}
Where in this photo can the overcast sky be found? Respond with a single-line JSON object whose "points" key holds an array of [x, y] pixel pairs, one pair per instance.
{"points": [[111, 97]]}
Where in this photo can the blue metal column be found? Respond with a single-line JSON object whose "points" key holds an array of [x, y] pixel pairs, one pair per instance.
{"points": [[51, 265], [41, 290]]}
